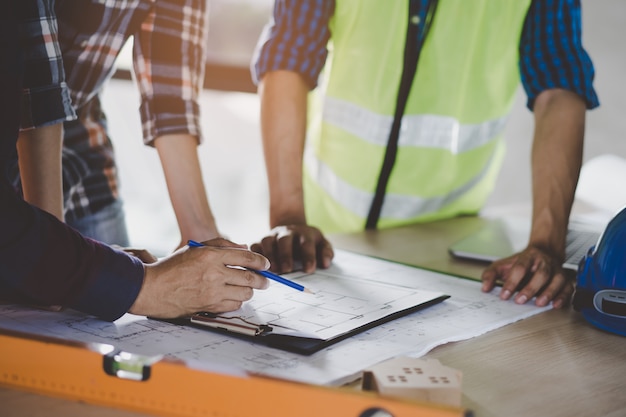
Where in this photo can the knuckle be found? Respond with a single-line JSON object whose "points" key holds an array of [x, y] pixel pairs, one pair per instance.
{"points": [[308, 245], [248, 293], [250, 257], [488, 273], [284, 242], [267, 240], [534, 285], [249, 278]]}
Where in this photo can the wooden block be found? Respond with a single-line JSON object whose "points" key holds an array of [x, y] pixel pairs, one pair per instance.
{"points": [[421, 379]]}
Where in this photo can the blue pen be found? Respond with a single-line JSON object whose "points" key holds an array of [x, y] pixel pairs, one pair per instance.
{"points": [[266, 274]]}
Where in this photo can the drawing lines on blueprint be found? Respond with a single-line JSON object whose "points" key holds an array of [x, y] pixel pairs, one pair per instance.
{"points": [[340, 304]]}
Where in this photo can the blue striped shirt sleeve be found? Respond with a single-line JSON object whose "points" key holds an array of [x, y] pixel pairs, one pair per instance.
{"points": [[45, 94], [295, 39], [551, 51]]}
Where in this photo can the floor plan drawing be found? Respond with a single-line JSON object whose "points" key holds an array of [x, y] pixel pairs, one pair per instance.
{"points": [[467, 313]]}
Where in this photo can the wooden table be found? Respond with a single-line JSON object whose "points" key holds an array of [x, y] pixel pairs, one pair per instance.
{"points": [[552, 364]]}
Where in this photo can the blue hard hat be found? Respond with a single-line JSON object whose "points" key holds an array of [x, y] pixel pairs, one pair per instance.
{"points": [[601, 281]]}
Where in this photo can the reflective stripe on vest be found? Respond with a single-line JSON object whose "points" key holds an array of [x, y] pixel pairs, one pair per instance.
{"points": [[423, 130], [398, 207]]}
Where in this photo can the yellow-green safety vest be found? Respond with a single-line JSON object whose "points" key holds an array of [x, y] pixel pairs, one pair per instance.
{"points": [[450, 143]]}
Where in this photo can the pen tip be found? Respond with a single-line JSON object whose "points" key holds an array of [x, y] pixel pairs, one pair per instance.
{"points": [[306, 290]]}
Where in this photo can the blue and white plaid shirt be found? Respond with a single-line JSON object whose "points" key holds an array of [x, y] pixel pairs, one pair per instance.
{"points": [[551, 52]]}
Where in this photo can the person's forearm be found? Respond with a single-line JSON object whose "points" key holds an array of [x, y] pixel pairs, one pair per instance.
{"points": [[48, 263], [283, 97], [556, 162], [39, 152], [183, 175]]}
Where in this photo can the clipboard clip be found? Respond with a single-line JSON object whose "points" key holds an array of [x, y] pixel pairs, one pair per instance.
{"points": [[232, 324]]}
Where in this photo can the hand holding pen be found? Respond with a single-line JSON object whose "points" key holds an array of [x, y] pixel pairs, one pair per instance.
{"points": [[188, 281], [266, 274]]}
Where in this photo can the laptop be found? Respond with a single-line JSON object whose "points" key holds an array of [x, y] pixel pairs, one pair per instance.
{"points": [[502, 237]]}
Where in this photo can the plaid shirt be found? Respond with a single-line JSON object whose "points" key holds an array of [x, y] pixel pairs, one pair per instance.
{"points": [[551, 52], [80, 40]]}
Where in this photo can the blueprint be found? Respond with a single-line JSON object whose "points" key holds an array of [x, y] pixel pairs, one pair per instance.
{"points": [[466, 314], [340, 303]]}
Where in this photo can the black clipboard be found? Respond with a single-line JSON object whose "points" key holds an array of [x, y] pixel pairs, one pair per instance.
{"points": [[262, 333]]}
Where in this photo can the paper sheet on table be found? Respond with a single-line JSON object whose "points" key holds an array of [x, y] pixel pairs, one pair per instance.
{"points": [[340, 304], [468, 313]]}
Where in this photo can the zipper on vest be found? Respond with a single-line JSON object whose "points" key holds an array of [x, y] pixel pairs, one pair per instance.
{"points": [[413, 46]]}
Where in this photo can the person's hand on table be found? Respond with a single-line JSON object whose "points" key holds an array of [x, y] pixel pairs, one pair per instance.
{"points": [[200, 279], [295, 242], [531, 273]]}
